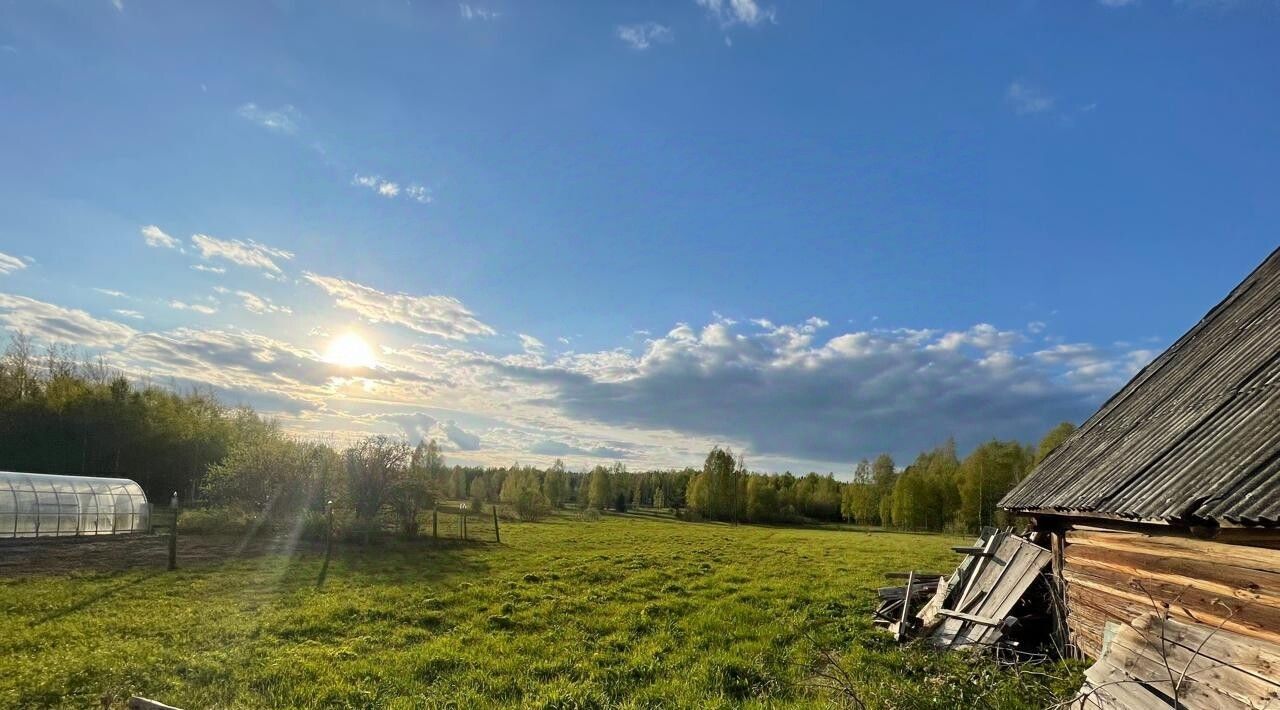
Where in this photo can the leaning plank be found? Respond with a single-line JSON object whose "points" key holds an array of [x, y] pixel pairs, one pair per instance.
{"points": [[971, 618], [139, 703], [901, 631]]}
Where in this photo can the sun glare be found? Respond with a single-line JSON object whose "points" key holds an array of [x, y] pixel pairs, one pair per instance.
{"points": [[350, 350]]}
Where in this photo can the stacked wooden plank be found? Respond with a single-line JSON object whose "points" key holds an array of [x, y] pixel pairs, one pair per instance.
{"points": [[971, 607], [1158, 662], [1002, 567]]}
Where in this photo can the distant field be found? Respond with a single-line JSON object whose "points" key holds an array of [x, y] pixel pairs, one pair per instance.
{"points": [[630, 611]]}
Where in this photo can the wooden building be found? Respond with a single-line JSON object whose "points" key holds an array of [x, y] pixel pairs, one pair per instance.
{"points": [[1170, 493]]}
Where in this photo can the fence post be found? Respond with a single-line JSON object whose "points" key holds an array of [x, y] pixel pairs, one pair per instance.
{"points": [[328, 546], [435, 527], [462, 523], [173, 533], [496, 537]]}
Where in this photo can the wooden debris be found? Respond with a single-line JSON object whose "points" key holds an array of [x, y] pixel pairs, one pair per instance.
{"points": [[992, 590], [972, 606]]}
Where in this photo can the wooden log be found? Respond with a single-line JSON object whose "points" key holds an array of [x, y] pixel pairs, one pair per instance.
{"points": [[1245, 556], [1205, 573], [1189, 603]]}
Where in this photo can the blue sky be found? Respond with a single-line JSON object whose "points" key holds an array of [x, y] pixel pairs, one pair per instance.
{"points": [[808, 230]]}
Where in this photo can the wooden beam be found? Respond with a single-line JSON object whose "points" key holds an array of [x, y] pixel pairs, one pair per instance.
{"points": [[980, 620]]}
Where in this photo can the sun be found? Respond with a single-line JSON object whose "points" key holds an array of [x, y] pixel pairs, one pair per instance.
{"points": [[350, 350]]}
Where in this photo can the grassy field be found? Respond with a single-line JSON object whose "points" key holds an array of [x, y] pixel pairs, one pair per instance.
{"points": [[629, 611]]}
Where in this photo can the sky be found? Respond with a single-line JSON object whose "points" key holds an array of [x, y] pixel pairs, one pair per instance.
{"points": [[810, 231]]}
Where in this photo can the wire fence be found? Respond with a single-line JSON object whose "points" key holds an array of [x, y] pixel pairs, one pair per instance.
{"points": [[462, 522]]}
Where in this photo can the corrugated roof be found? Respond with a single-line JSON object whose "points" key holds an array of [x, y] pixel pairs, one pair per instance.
{"points": [[1194, 435]]}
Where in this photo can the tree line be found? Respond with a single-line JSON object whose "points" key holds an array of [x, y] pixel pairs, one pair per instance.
{"points": [[60, 414]]}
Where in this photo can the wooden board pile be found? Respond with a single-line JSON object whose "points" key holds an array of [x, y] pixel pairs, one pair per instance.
{"points": [[1159, 663], [973, 606]]}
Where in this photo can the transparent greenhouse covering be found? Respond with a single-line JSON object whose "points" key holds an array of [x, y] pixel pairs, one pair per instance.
{"points": [[40, 505]]}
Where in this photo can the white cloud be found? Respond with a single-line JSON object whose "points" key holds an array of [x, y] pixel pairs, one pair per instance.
{"points": [[111, 292], [260, 304], [118, 5], [433, 315], [197, 307], [643, 35], [282, 120], [209, 269], [737, 12], [1027, 99], [531, 345], [982, 336], [391, 189], [778, 391], [127, 313], [418, 193], [56, 324], [156, 237], [10, 264], [471, 12], [250, 253]]}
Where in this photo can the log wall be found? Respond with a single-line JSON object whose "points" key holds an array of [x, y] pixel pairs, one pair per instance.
{"points": [[1114, 575]]}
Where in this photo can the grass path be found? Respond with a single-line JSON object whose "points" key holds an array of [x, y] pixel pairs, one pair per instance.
{"points": [[631, 611]]}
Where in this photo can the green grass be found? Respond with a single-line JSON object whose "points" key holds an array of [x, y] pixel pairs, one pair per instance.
{"points": [[625, 612]]}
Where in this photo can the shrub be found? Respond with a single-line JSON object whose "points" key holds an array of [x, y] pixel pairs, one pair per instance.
{"points": [[590, 515]]}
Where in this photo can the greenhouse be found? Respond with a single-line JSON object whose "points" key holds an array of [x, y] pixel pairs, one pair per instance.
{"points": [[43, 505]]}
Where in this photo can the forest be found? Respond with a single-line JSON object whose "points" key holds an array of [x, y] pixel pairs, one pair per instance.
{"points": [[60, 413]]}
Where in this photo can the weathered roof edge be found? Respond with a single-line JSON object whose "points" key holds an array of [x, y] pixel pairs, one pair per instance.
{"points": [[1134, 384]]}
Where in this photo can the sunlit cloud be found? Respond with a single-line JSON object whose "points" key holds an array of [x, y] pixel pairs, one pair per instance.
{"points": [[10, 264], [195, 307], [156, 237], [55, 324], [245, 253], [433, 315]]}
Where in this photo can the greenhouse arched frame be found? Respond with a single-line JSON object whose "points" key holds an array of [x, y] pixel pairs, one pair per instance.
{"points": [[46, 505]]}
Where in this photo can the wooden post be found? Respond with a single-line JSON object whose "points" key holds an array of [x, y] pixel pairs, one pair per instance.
{"points": [[901, 632], [462, 522], [173, 532], [497, 537], [435, 522], [328, 545]]}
